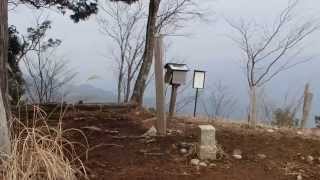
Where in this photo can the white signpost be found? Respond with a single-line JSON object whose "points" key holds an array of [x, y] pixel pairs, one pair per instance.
{"points": [[198, 83]]}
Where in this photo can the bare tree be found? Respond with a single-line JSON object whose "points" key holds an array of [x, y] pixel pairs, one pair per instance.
{"points": [[124, 25], [140, 84], [46, 74], [221, 102], [269, 51], [128, 26], [47, 78], [171, 14]]}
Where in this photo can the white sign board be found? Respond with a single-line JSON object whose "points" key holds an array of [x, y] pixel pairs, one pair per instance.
{"points": [[198, 79]]}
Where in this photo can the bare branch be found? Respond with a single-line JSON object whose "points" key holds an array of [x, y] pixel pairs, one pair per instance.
{"points": [[267, 51]]}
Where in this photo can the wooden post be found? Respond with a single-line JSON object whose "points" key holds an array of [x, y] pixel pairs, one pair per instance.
{"points": [[4, 55], [5, 146], [308, 96], [173, 99], [161, 124], [4, 108]]}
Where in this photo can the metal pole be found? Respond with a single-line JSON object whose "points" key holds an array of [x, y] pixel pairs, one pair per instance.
{"points": [[161, 123], [195, 103]]}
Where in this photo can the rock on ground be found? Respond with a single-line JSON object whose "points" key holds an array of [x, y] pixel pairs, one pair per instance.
{"points": [[262, 156], [195, 162], [183, 151], [310, 159], [237, 156], [203, 164], [151, 132], [270, 130]]}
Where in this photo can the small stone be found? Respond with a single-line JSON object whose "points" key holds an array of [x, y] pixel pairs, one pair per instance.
{"points": [[93, 176], [237, 152], [299, 177], [183, 151], [92, 128], [195, 162], [310, 159], [184, 145], [174, 146], [270, 130], [137, 113], [151, 132], [79, 118], [143, 151], [262, 156], [302, 171], [150, 141], [237, 156], [299, 132], [203, 164], [212, 165]]}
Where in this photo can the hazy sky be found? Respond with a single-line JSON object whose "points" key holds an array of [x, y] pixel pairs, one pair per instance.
{"points": [[208, 48]]}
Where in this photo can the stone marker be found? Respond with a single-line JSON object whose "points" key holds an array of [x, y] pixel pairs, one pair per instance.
{"points": [[207, 144]]}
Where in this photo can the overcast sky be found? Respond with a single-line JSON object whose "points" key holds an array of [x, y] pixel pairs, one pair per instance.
{"points": [[208, 48]]}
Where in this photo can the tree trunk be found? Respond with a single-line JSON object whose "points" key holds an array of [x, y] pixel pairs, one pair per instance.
{"points": [[119, 88], [128, 90], [140, 84], [4, 131], [253, 107], [120, 80]]}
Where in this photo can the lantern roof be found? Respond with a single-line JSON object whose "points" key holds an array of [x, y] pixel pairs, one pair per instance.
{"points": [[177, 67]]}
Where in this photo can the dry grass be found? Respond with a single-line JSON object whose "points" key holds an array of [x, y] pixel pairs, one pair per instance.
{"points": [[40, 152]]}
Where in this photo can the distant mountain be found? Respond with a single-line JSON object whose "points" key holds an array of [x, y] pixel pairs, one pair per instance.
{"points": [[89, 93]]}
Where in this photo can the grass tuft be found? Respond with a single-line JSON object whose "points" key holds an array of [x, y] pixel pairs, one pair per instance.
{"points": [[41, 152]]}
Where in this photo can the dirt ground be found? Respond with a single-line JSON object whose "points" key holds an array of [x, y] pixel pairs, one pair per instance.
{"points": [[118, 152]]}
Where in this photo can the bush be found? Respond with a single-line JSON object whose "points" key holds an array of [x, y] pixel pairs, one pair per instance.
{"points": [[284, 118], [317, 121]]}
